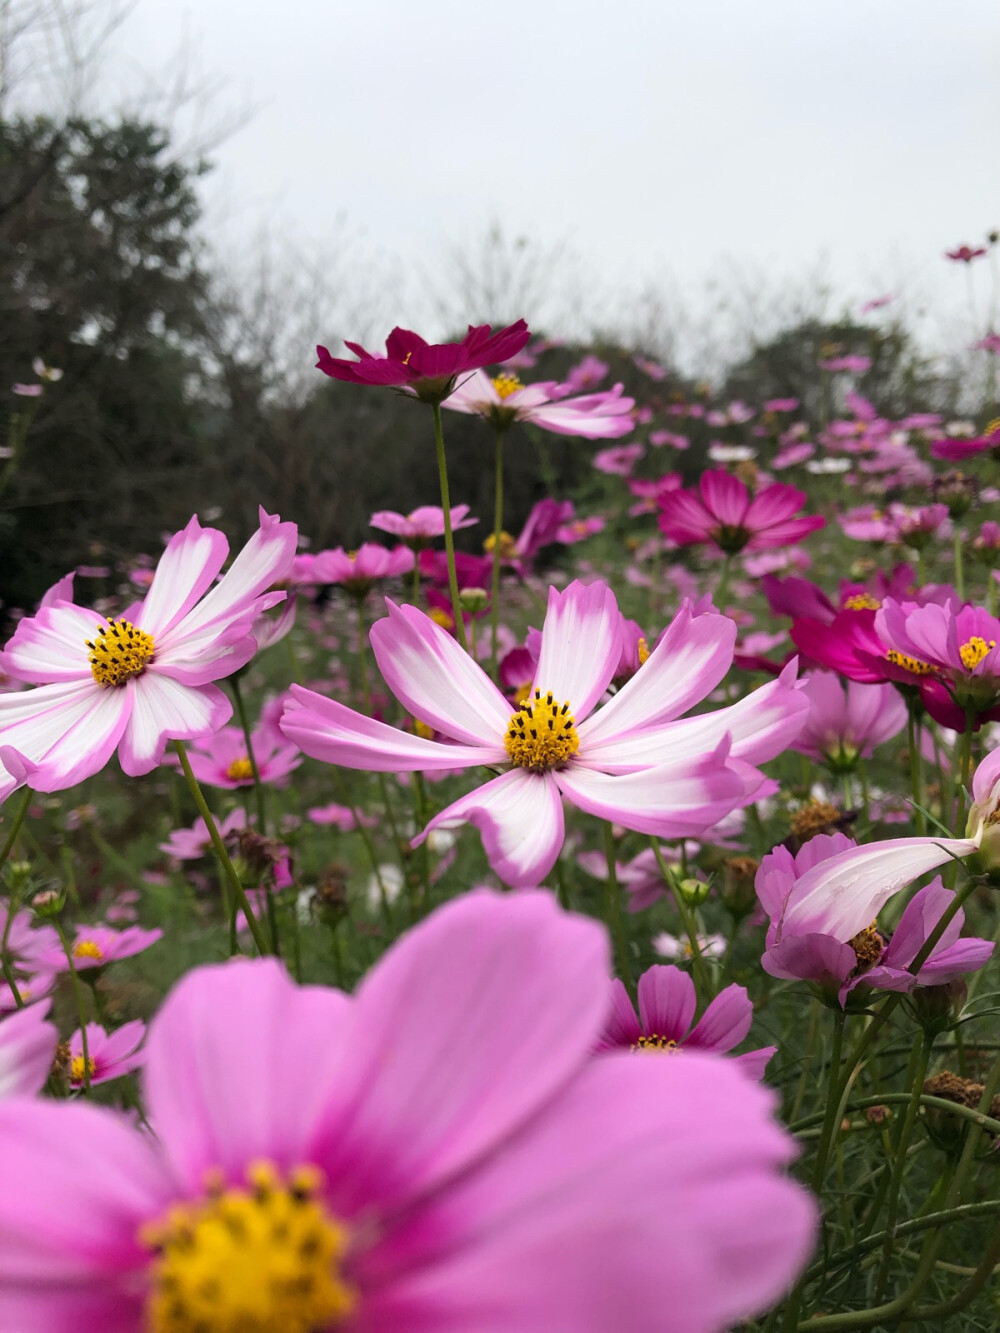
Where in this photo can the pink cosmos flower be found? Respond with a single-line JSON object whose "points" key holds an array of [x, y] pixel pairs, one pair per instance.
{"points": [[652, 369], [359, 570], [845, 725], [674, 946], [877, 303], [189, 844], [641, 878], [822, 904], [959, 641], [340, 816], [855, 365], [667, 1003], [580, 529], [366, 1182], [618, 462], [794, 453], [96, 945], [633, 762], [109, 1054], [503, 400], [587, 374], [957, 448], [27, 1049], [29, 991], [135, 682], [965, 254], [721, 512], [991, 343], [222, 759], [781, 405], [26, 942], [422, 524], [659, 438], [429, 369]]}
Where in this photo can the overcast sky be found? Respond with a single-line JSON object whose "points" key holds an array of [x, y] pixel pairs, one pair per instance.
{"points": [[652, 137]]}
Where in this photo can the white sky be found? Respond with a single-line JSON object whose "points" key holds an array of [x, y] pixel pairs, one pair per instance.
{"points": [[654, 137]]}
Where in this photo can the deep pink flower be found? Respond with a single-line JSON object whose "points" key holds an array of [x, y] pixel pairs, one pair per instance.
{"points": [[845, 725], [991, 343], [722, 513], [27, 1049], [959, 642], [965, 254], [667, 1004], [110, 1055], [359, 570], [134, 683], [422, 524], [853, 364], [518, 1183], [222, 760], [633, 762], [504, 400], [957, 448], [189, 844], [96, 945], [429, 369]]}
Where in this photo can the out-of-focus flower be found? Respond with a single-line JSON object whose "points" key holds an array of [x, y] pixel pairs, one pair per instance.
{"points": [[845, 725], [965, 254], [340, 816], [422, 524], [503, 400], [109, 1055], [27, 1049], [675, 946], [358, 571], [579, 529], [428, 369], [853, 365], [96, 945], [877, 303], [721, 512], [587, 374], [618, 462], [191, 843], [223, 761]]}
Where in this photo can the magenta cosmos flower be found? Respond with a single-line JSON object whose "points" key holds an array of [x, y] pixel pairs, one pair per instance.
{"points": [[95, 945], [135, 682], [503, 399], [110, 1055], [357, 571], [721, 512], [429, 369], [448, 1157], [823, 905], [632, 762], [958, 643], [667, 1004], [223, 761]]}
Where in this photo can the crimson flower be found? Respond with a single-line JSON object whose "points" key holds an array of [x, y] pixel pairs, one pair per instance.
{"points": [[429, 369], [965, 254]]}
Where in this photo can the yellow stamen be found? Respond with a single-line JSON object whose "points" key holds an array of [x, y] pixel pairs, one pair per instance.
{"points": [[908, 663], [992, 426], [246, 1260], [506, 544], [643, 650], [868, 946], [422, 729], [862, 601], [88, 949], [240, 770], [654, 1043], [974, 650], [541, 734], [506, 384], [441, 617], [76, 1069], [118, 652]]}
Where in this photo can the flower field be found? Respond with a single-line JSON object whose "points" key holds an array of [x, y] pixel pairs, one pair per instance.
{"points": [[571, 916]]}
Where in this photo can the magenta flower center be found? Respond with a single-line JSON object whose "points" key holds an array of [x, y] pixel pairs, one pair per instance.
{"points": [[119, 651], [541, 735], [263, 1256]]}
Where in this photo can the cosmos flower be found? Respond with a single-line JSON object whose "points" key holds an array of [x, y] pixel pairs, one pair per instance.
{"points": [[633, 762], [27, 1049], [503, 399], [136, 682], [430, 370], [957, 642], [358, 571], [965, 254], [364, 1182], [189, 844], [721, 512], [846, 724], [422, 524], [667, 1004], [96, 945], [110, 1055], [222, 760]]}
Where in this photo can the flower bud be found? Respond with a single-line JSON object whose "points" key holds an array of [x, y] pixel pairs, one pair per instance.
{"points": [[473, 600]]}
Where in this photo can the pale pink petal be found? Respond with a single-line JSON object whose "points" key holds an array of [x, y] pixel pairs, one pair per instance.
{"points": [[52, 645], [162, 710], [692, 656], [27, 1049], [436, 680], [72, 739], [463, 1032], [520, 818], [581, 645], [186, 570], [327, 730]]}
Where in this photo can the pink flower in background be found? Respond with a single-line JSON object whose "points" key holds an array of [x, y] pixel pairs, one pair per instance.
{"points": [[845, 725], [965, 254], [422, 524], [649, 492], [867, 524], [854, 364], [223, 761], [340, 816], [579, 529], [136, 682], [658, 438], [429, 369], [991, 343], [641, 878], [504, 400], [96, 945], [618, 462], [721, 512], [633, 762], [794, 453], [29, 991], [652, 369], [781, 405], [110, 1055], [957, 448], [667, 1004], [358, 570], [587, 375], [877, 303], [27, 1049], [26, 943], [191, 843], [428, 1193]]}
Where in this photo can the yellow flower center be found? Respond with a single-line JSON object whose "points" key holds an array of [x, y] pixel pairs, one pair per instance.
{"points": [[652, 1042], [991, 426], [867, 946], [908, 663], [506, 544], [974, 650], [423, 729], [88, 949], [441, 617], [506, 384], [862, 601], [77, 1066], [257, 1259], [240, 770], [119, 651], [643, 650], [541, 734]]}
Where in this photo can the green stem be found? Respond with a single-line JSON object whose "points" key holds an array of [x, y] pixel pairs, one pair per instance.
{"points": [[964, 1213], [899, 1163], [80, 1009], [916, 786], [927, 1099], [613, 912], [239, 893], [497, 530], [971, 1289], [8, 971], [15, 828], [722, 587], [959, 576], [244, 721], [449, 540], [703, 981]]}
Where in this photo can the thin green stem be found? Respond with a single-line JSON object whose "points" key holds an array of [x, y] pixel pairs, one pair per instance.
{"points": [[703, 981], [959, 574], [244, 721], [964, 1213], [449, 540], [899, 1163], [20, 810], [239, 893], [916, 786], [80, 1008], [497, 530]]}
